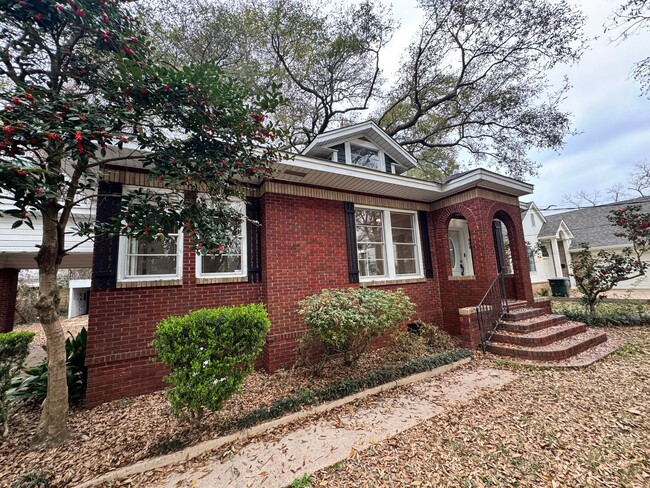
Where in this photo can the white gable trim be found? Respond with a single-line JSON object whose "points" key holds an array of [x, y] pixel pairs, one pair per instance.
{"points": [[353, 131]]}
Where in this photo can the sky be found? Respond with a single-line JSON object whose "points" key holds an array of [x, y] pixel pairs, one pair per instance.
{"points": [[610, 115]]}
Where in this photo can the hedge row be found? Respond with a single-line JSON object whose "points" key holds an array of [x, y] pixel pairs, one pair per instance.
{"points": [[603, 320], [345, 387]]}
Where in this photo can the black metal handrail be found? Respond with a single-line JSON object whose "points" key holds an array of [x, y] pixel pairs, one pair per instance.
{"points": [[491, 309]]}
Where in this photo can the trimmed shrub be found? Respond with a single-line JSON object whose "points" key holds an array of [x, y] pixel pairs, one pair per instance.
{"points": [[347, 320], [14, 347], [210, 352], [33, 383], [608, 313]]}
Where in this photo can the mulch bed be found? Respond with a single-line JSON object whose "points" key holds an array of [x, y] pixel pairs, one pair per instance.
{"points": [[128, 430]]}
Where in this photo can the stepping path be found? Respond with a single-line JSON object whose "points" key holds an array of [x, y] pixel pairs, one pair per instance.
{"points": [[335, 437]]}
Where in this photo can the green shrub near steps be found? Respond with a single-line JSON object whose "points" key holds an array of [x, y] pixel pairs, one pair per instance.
{"points": [[346, 321], [14, 347], [209, 352]]}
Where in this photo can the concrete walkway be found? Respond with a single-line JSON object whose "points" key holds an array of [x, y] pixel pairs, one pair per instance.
{"points": [[335, 437]]}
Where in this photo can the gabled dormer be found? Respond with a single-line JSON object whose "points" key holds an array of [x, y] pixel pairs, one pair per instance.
{"points": [[365, 145]]}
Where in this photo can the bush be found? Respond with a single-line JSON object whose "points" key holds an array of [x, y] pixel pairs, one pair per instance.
{"points": [[609, 313], [437, 339], [406, 344], [210, 352], [14, 347], [33, 383], [26, 298], [347, 320]]}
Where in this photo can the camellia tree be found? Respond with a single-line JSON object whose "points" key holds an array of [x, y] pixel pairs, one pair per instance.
{"points": [[633, 225], [597, 274], [78, 92]]}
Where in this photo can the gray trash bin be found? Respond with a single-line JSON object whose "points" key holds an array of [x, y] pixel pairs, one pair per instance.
{"points": [[560, 287]]}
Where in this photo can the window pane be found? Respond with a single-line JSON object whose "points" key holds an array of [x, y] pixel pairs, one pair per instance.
{"points": [[371, 259], [405, 266], [403, 236], [152, 265], [166, 246], [404, 251], [403, 221], [222, 264], [363, 156]]}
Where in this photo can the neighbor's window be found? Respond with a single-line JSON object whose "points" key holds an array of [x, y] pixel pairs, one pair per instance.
{"points": [[387, 244], [231, 262], [159, 258]]}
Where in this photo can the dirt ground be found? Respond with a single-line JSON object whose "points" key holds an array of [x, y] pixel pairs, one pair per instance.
{"points": [[556, 428], [36, 351]]}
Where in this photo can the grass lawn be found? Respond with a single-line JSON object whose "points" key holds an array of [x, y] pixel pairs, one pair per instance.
{"points": [[584, 427]]}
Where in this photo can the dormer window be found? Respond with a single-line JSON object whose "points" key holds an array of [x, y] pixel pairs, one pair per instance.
{"points": [[359, 153]]}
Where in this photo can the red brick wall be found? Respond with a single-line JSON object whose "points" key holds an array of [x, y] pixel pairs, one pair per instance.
{"points": [[121, 323], [8, 289], [304, 251], [467, 291]]}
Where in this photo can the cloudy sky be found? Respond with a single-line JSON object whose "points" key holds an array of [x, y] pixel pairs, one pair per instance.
{"points": [[612, 118]]}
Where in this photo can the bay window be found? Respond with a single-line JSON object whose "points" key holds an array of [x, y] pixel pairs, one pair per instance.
{"points": [[387, 244]]}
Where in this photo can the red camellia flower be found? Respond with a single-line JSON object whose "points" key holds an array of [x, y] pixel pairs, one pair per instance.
{"points": [[59, 7], [7, 129], [78, 135], [38, 16], [21, 172], [23, 214], [222, 249], [9, 107], [17, 101], [128, 51], [80, 12], [29, 96], [105, 17], [53, 136], [39, 191], [259, 118]]}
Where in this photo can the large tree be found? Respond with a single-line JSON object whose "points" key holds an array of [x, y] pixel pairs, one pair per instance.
{"points": [[78, 89], [472, 84], [632, 17]]}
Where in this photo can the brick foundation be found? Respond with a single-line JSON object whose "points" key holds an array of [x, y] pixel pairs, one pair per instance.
{"points": [[8, 290]]}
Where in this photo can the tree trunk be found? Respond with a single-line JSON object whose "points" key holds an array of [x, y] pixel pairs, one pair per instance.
{"points": [[592, 308], [52, 428]]}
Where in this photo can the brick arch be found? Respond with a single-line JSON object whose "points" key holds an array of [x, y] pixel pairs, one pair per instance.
{"points": [[520, 286], [441, 233]]}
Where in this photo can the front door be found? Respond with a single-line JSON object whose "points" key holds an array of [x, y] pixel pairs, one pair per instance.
{"points": [[455, 254]]}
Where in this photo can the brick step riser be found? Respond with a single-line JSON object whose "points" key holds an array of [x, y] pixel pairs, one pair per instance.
{"points": [[524, 328], [547, 355], [528, 314], [539, 341], [517, 306]]}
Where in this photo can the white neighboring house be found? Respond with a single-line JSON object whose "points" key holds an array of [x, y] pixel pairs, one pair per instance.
{"points": [[18, 247], [560, 237], [549, 246]]}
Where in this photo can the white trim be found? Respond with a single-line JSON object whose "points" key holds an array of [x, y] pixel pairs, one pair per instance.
{"points": [[243, 272], [322, 139], [390, 263]]}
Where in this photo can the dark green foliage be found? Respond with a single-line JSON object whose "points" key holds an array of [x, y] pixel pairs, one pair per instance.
{"points": [[350, 386], [608, 319], [32, 479], [14, 347], [210, 352], [33, 383]]}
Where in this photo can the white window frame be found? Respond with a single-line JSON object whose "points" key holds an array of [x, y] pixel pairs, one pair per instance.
{"points": [[244, 253], [122, 261], [390, 260]]}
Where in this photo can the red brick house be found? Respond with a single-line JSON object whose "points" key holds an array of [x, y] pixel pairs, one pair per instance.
{"points": [[340, 214]]}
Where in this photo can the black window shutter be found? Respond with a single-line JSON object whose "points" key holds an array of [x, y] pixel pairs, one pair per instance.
{"points": [[351, 240], [106, 247], [254, 238], [426, 245]]}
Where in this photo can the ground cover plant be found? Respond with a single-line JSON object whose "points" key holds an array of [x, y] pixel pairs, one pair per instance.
{"points": [[608, 312]]}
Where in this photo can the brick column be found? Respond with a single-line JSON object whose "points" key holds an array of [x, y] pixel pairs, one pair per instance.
{"points": [[8, 289]]}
